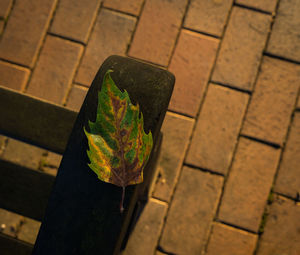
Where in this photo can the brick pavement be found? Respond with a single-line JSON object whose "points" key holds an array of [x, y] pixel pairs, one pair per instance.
{"points": [[229, 170]]}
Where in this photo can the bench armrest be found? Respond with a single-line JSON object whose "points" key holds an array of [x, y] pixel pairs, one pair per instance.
{"points": [[83, 215]]}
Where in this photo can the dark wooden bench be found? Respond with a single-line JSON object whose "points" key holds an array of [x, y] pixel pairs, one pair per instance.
{"points": [[82, 215]]}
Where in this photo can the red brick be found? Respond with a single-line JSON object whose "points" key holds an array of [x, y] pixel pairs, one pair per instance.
{"points": [[13, 76], [217, 129], [241, 49], [130, 6], [273, 101], [226, 240], [282, 229], [5, 6], [144, 238], [157, 30], [76, 97], [176, 134], [111, 35], [285, 36], [288, 181], [55, 69], [22, 153], [192, 68], [266, 5], [74, 19], [208, 16], [9, 222], [248, 185], [25, 31], [192, 210], [29, 230]]}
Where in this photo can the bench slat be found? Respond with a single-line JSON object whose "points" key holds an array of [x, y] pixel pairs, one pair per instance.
{"points": [[24, 191], [35, 121]]}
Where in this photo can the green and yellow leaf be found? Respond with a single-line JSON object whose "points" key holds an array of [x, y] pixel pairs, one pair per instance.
{"points": [[119, 148]]}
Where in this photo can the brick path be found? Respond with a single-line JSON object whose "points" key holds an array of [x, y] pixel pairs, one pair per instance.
{"points": [[229, 179]]}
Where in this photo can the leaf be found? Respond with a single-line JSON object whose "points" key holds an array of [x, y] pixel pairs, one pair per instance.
{"points": [[119, 148]]}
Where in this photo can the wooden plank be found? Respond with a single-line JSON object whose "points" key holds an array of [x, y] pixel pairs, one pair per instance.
{"points": [[83, 214], [24, 191], [12, 246], [35, 121]]}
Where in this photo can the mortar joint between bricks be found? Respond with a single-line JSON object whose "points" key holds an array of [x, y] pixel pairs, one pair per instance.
{"points": [[197, 116], [280, 159], [93, 23], [179, 32], [135, 27], [40, 49], [7, 18], [252, 8]]}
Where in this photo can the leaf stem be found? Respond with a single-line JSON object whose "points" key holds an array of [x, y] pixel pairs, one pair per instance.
{"points": [[122, 201]]}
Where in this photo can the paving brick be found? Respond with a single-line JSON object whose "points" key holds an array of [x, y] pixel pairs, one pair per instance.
{"points": [[241, 49], [76, 97], [25, 31], [13, 76], [266, 5], [50, 163], [74, 19], [248, 185], [129, 6], [29, 230], [157, 30], [5, 6], [193, 65], [285, 36], [282, 229], [288, 181], [55, 69], [111, 35], [9, 222], [192, 210], [144, 238], [226, 240], [176, 134], [273, 101], [54, 159], [22, 153], [208, 16], [217, 129]]}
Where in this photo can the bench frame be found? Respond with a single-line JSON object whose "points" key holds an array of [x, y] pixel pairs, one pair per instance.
{"points": [[82, 215]]}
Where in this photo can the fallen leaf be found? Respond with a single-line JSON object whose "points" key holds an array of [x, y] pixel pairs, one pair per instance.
{"points": [[119, 148]]}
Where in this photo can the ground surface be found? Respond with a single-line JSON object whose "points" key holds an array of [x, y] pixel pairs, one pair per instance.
{"points": [[229, 178]]}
